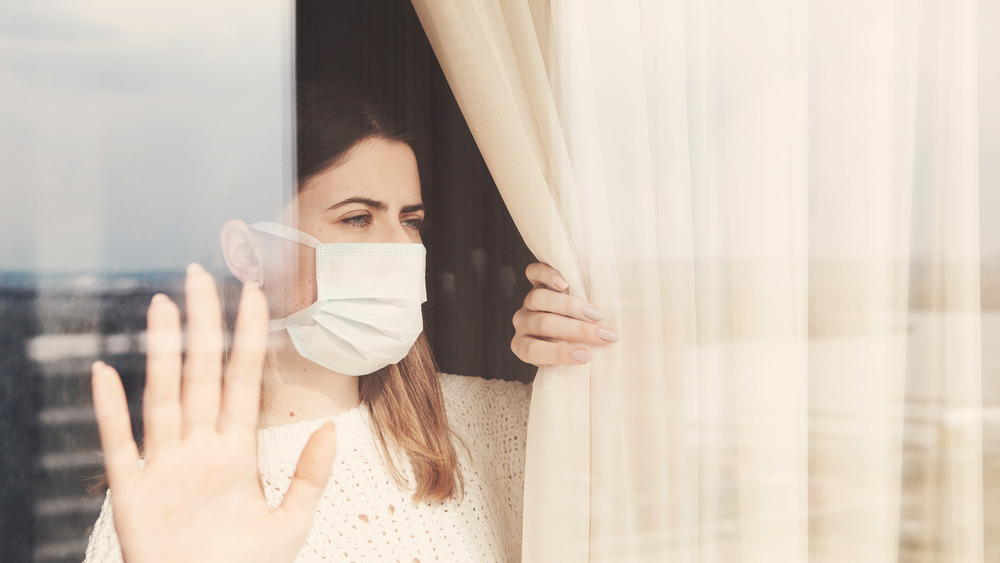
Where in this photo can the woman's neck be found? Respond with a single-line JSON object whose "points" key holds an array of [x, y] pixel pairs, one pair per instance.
{"points": [[296, 389]]}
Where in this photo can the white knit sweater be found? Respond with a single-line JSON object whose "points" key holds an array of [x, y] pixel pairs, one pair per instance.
{"points": [[364, 516]]}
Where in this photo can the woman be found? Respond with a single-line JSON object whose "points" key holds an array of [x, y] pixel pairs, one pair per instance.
{"points": [[429, 466]]}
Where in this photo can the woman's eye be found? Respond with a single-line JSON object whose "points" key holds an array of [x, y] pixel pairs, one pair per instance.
{"points": [[414, 222], [358, 220]]}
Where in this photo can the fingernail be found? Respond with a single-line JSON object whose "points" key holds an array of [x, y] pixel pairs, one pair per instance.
{"points": [[560, 282], [592, 313], [159, 298], [194, 268], [96, 365], [582, 355], [608, 335]]}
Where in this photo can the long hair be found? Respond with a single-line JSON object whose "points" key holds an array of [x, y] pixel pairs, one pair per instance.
{"points": [[403, 400]]}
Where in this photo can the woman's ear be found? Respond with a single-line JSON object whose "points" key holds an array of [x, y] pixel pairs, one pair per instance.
{"points": [[240, 251]]}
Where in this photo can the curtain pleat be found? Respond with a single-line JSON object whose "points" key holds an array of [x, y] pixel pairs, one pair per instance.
{"points": [[861, 144], [511, 128], [949, 180]]}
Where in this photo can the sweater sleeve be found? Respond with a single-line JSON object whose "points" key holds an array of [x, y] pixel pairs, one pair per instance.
{"points": [[103, 546]]}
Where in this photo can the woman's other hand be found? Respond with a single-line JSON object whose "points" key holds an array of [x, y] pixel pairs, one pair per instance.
{"points": [[198, 497], [554, 328]]}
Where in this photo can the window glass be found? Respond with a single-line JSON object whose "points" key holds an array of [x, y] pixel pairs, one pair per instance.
{"points": [[129, 131]]}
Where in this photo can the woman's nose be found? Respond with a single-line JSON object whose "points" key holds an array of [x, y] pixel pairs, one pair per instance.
{"points": [[398, 233]]}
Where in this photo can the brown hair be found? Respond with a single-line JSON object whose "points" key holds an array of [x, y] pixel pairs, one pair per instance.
{"points": [[404, 400], [407, 411]]}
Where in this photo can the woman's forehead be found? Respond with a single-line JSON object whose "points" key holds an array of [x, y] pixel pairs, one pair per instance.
{"points": [[375, 173]]}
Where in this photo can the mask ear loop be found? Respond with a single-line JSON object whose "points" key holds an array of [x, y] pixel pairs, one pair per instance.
{"points": [[284, 232]]}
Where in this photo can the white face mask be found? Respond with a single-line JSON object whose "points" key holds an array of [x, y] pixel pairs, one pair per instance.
{"points": [[367, 314]]}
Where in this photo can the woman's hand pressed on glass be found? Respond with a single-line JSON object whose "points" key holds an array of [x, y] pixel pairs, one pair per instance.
{"points": [[198, 496], [553, 327]]}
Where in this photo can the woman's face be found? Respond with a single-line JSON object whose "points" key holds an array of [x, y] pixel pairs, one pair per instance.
{"points": [[372, 196]]}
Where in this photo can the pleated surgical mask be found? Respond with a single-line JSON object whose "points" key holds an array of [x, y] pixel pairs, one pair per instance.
{"points": [[368, 309]]}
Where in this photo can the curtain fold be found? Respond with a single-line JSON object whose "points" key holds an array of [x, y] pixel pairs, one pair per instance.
{"points": [[777, 204], [484, 63]]}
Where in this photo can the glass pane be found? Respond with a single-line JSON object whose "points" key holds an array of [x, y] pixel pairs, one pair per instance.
{"points": [[129, 131]]}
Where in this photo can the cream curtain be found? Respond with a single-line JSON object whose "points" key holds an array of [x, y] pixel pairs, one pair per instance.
{"points": [[778, 204]]}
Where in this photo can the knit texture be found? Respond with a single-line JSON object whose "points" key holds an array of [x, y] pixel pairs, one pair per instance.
{"points": [[364, 516]]}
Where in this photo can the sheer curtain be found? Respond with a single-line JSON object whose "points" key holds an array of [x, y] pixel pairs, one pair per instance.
{"points": [[778, 204]]}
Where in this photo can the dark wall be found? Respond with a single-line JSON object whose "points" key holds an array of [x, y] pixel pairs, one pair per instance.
{"points": [[378, 50]]}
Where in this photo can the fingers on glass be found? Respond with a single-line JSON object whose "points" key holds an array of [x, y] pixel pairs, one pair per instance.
{"points": [[202, 370], [241, 388], [121, 456], [161, 397], [311, 476]]}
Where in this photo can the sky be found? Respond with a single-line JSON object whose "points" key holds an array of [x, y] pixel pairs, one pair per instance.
{"points": [[130, 131]]}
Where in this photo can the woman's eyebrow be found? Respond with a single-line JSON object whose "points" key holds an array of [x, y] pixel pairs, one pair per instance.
{"points": [[375, 204], [412, 208]]}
